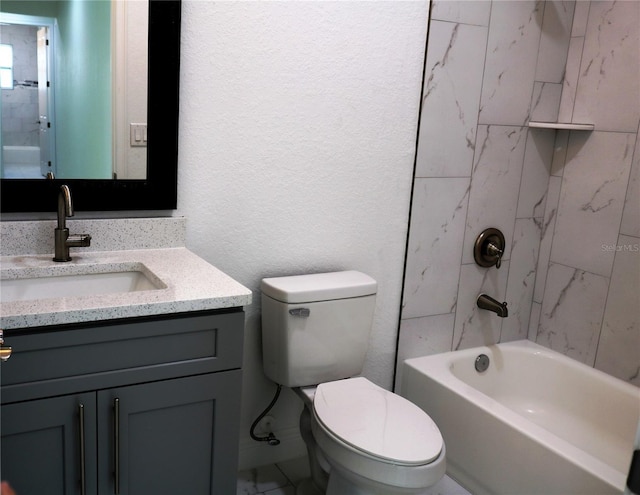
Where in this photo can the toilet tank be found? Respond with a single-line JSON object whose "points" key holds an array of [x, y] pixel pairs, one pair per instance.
{"points": [[315, 328]]}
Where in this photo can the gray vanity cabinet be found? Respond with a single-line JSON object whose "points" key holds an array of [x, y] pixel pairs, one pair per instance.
{"points": [[136, 407]]}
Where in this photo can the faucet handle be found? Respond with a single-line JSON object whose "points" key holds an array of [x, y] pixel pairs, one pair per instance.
{"points": [[78, 240], [496, 252], [489, 247]]}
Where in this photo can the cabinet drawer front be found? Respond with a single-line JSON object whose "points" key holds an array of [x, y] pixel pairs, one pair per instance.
{"points": [[122, 353]]}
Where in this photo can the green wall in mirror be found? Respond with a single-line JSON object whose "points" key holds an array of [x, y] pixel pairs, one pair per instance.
{"points": [[83, 91]]}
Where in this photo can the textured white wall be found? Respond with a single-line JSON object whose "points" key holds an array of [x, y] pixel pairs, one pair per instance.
{"points": [[298, 126]]}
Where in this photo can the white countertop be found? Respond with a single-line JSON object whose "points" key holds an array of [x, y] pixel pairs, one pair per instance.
{"points": [[192, 284]]}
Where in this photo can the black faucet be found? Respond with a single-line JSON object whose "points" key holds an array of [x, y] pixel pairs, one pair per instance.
{"points": [[64, 241]]}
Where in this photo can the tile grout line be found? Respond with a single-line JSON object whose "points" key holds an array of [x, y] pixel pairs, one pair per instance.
{"points": [[289, 482]]}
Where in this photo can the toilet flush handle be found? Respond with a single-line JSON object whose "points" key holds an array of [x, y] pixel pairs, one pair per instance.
{"points": [[300, 312]]}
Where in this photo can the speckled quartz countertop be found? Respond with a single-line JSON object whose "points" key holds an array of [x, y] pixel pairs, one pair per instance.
{"points": [[186, 281]]}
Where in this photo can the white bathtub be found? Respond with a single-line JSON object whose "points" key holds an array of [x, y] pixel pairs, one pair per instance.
{"points": [[535, 422], [21, 162]]}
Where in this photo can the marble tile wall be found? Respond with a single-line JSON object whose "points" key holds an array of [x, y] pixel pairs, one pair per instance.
{"points": [[479, 166], [559, 197], [587, 294]]}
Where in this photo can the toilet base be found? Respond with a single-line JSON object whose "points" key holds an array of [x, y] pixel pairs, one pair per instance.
{"points": [[317, 484]]}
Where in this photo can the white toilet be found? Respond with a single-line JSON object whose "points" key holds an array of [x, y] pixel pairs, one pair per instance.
{"points": [[361, 438]]}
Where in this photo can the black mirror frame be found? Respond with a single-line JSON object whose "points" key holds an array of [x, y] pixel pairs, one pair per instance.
{"points": [[159, 191]]}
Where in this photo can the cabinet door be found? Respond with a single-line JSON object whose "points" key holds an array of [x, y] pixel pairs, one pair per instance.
{"points": [[169, 437], [46, 450]]}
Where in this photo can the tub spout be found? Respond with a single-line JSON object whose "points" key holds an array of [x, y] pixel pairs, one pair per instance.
{"points": [[487, 302]]}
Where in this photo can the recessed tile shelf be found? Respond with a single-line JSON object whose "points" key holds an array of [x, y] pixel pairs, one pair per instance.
{"points": [[562, 125]]}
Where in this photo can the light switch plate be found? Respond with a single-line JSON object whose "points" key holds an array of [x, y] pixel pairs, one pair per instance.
{"points": [[138, 134]]}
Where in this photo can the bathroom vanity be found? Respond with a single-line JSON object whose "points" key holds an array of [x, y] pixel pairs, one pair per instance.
{"points": [[126, 392]]}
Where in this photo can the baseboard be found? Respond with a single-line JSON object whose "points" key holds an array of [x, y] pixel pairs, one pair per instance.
{"points": [[254, 454]]}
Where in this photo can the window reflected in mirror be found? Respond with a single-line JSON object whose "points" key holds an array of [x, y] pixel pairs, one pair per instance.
{"points": [[6, 66]]}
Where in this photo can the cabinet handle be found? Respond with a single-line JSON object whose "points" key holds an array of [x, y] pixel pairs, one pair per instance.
{"points": [[83, 471], [116, 444], [5, 352]]}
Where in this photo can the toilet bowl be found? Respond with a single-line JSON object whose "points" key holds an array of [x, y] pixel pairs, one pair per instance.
{"points": [[374, 442]]}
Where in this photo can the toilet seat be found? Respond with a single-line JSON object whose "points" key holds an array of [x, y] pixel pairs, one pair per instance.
{"points": [[377, 423]]}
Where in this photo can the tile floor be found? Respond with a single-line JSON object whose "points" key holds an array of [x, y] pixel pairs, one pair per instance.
{"points": [[276, 479], [281, 479]]}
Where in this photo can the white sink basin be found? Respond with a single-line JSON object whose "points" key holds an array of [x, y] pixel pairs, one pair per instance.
{"points": [[27, 285]]}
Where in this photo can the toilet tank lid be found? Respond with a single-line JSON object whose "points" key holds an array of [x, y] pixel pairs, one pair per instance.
{"points": [[319, 286]]}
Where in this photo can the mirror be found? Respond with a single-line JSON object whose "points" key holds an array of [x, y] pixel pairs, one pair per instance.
{"points": [[61, 92], [158, 190]]}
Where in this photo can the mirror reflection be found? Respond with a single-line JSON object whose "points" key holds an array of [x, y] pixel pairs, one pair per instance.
{"points": [[74, 89]]}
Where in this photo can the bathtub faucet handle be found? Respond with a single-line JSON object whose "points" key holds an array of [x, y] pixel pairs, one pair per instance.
{"points": [[489, 248], [496, 252]]}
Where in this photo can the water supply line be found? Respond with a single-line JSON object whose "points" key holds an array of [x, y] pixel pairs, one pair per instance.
{"points": [[270, 438]]}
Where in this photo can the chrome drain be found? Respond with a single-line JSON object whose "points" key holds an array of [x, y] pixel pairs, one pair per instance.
{"points": [[482, 363]]}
